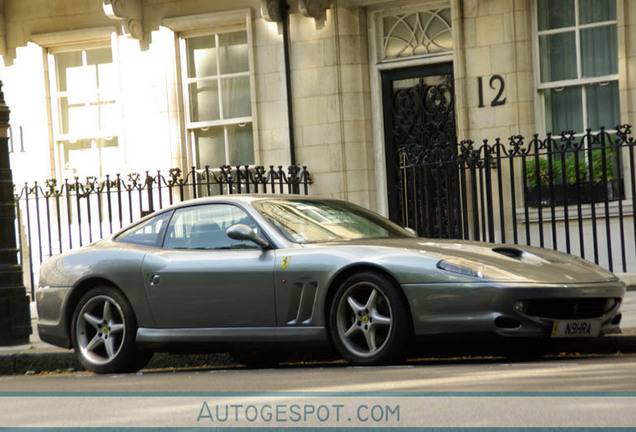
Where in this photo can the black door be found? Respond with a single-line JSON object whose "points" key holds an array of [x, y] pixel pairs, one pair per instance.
{"points": [[420, 139]]}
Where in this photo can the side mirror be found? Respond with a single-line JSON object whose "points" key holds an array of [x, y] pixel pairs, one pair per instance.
{"points": [[245, 233]]}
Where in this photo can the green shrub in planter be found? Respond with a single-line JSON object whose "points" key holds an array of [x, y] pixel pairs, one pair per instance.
{"points": [[544, 172], [570, 170], [597, 165]]}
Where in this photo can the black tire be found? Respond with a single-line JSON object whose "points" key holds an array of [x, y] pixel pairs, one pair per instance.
{"points": [[369, 320], [103, 333]]}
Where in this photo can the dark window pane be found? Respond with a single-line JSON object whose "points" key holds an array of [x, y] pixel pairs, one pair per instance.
{"points": [[558, 57], [554, 14], [596, 11], [603, 108], [241, 144], [599, 55], [563, 110]]}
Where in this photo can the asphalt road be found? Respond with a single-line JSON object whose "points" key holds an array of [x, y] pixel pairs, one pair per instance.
{"points": [[593, 372], [448, 393], [575, 385]]}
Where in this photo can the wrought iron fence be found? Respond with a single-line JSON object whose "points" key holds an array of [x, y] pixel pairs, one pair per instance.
{"points": [[55, 217], [567, 192]]}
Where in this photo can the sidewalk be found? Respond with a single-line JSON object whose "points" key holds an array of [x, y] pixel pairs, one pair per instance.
{"points": [[39, 357]]}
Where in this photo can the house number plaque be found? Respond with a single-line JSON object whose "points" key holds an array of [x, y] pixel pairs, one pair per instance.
{"points": [[496, 83]]}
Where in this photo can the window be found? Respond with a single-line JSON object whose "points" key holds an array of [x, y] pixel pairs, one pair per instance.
{"points": [[305, 221], [203, 227], [578, 86], [218, 98], [84, 99], [416, 33], [578, 64], [147, 233]]}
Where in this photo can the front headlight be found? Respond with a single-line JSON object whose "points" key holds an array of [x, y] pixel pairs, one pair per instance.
{"points": [[476, 269]]}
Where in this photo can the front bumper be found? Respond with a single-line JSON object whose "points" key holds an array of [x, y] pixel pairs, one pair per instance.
{"points": [[487, 307]]}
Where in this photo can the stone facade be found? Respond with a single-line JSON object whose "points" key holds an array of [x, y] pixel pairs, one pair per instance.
{"points": [[336, 72], [329, 78]]}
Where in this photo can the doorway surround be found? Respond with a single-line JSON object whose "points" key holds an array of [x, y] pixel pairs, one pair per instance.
{"points": [[380, 60]]}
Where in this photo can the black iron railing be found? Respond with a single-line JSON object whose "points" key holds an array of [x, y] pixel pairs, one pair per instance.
{"points": [[567, 192], [58, 216]]}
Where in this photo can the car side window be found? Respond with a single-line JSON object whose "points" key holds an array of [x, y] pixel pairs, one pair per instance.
{"points": [[147, 233], [204, 226]]}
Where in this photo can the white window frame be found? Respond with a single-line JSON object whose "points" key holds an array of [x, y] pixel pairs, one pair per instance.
{"points": [[206, 25], [541, 88], [73, 41]]}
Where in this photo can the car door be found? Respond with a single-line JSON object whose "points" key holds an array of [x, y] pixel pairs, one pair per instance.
{"points": [[201, 278]]}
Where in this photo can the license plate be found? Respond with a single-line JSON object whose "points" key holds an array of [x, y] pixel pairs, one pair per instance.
{"points": [[576, 328]]}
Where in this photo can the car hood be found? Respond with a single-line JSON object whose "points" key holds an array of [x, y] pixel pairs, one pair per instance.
{"points": [[498, 261]]}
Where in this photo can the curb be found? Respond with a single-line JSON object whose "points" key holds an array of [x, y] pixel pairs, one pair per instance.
{"points": [[60, 361], [25, 363]]}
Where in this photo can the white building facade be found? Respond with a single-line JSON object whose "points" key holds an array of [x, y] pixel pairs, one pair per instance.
{"points": [[115, 86]]}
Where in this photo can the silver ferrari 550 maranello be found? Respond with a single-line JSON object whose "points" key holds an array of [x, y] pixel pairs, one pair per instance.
{"points": [[243, 273]]}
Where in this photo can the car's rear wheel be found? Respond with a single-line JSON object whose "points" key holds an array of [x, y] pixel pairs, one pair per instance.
{"points": [[369, 320], [103, 332]]}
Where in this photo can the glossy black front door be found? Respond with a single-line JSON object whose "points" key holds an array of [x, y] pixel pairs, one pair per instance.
{"points": [[420, 139]]}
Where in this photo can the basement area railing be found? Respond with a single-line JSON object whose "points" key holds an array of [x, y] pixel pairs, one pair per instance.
{"points": [[58, 216]]}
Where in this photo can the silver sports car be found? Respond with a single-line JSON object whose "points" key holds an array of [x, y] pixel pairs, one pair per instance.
{"points": [[245, 273]]}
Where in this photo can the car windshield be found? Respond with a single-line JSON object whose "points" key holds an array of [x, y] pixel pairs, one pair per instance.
{"points": [[308, 221]]}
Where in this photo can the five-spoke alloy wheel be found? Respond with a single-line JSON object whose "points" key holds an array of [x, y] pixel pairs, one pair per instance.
{"points": [[103, 332], [369, 320]]}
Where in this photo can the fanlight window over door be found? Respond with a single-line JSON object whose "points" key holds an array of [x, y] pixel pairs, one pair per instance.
{"points": [[416, 34]]}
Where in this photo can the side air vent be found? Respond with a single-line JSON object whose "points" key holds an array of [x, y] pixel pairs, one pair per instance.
{"points": [[509, 252], [301, 302]]}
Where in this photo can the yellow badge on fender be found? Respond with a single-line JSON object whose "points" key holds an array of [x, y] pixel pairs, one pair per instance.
{"points": [[285, 262]]}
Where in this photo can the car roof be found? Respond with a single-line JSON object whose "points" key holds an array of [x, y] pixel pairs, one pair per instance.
{"points": [[246, 198]]}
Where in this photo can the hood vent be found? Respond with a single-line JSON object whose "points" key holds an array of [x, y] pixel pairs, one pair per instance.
{"points": [[509, 252]]}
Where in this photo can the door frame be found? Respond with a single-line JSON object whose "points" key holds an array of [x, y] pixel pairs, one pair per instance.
{"points": [[388, 77], [379, 201]]}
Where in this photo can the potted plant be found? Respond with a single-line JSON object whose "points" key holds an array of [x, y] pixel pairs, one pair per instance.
{"points": [[546, 186]]}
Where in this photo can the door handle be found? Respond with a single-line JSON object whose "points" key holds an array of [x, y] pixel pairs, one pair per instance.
{"points": [[155, 280]]}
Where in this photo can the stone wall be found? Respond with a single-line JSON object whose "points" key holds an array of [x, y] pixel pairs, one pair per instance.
{"points": [[329, 76], [495, 40]]}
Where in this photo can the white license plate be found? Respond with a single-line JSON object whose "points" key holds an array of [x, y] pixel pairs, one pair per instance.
{"points": [[576, 328]]}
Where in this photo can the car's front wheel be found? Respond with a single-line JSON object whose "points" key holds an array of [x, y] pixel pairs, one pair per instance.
{"points": [[369, 320], [103, 333]]}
